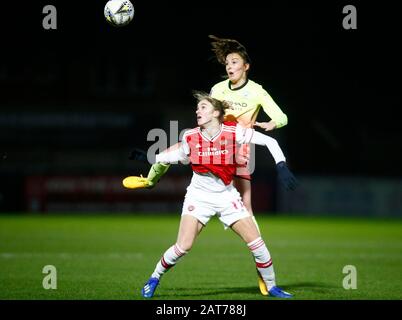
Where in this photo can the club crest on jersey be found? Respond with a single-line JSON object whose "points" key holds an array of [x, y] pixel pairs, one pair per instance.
{"points": [[198, 146], [190, 208], [223, 142]]}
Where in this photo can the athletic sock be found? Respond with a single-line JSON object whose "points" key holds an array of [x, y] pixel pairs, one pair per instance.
{"points": [[156, 172], [263, 261], [168, 260]]}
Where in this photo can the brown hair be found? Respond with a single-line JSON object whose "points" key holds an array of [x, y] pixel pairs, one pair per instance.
{"points": [[218, 105], [223, 47]]}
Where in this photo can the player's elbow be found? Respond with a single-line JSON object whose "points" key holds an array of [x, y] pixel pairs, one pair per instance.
{"points": [[283, 121]]}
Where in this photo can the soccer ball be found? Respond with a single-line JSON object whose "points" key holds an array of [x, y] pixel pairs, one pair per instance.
{"points": [[119, 12]]}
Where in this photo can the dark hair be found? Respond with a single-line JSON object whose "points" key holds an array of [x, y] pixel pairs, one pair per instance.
{"points": [[218, 105], [223, 47]]}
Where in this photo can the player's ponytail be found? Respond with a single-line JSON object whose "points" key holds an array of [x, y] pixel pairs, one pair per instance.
{"points": [[223, 47]]}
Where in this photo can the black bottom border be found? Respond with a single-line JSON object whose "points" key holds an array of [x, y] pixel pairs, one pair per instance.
{"points": [[208, 309]]}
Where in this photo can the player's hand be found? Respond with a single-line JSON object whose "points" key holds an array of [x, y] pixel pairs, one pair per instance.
{"points": [[267, 126], [286, 177], [138, 155]]}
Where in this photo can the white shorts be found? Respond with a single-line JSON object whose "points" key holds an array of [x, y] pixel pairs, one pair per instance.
{"points": [[227, 205]]}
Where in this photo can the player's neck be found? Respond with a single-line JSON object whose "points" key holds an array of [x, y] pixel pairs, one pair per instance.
{"points": [[238, 83], [211, 129]]}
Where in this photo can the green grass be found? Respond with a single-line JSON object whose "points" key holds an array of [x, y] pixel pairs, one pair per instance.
{"points": [[111, 256]]}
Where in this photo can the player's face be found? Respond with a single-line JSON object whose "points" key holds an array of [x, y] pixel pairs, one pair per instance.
{"points": [[236, 68], [205, 113]]}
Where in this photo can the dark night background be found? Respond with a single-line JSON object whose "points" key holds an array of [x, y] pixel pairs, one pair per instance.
{"points": [[75, 100]]}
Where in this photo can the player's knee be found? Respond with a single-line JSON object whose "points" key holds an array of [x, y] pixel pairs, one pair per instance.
{"points": [[185, 245]]}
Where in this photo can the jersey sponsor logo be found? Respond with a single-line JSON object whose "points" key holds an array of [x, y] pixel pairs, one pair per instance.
{"points": [[212, 151], [237, 105], [198, 146]]}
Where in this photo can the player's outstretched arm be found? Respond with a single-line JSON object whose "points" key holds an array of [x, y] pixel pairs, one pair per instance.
{"points": [[286, 177], [267, 126], [140, 155], [249, 135], [288, 180], [157, 170], [171, 156], [273, 111]]}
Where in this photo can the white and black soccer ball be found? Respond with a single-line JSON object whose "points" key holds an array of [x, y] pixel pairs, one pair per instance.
{"points": [[119, 12]]}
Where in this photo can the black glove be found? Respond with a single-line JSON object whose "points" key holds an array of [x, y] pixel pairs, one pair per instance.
{"points": [[286, 177], [138, 155]]}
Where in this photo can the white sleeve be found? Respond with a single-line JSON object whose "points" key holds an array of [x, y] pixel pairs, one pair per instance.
{"points": [[243, 135], [174, 156], [249, 135], [270, 143]]}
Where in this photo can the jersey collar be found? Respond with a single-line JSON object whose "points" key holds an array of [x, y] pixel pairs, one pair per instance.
{"points": [[242, 86], [212, 139]]}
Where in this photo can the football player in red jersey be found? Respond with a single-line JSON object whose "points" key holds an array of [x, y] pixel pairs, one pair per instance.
{"points": [[211, 149]]}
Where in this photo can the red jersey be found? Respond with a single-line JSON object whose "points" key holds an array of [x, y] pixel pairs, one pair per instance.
{"points": [[217, 154]]}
